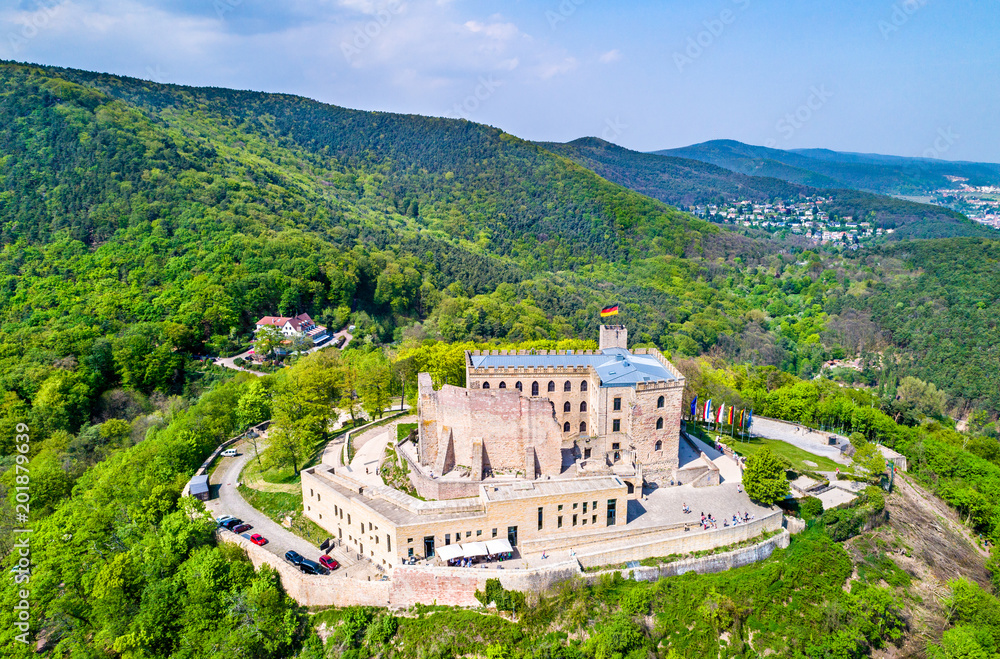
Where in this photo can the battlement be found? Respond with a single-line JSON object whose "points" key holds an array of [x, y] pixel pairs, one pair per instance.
{"points": [[653, 352], [524, 371]]}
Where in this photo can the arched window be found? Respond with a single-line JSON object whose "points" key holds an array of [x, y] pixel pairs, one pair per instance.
{"points": [[552, 385], [567, 386], [566, 427], [659, 423], [517, 385], [534, 388], [486, 385], [659, 402], [658, 446], [583, 386], [583, 426], [583, 406], [566, 407], [503, 385]]}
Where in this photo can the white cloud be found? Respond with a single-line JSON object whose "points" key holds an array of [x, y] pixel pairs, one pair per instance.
{"points": [[611, 56]]}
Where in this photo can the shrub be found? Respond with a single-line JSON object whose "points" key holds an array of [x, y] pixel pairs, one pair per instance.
{"points": [[764, 478], [636, 601], [506, 600], [239, 361], [811, 508]]}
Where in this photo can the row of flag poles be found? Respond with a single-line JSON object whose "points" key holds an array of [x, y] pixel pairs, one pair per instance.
{"points": [[722, 416]]}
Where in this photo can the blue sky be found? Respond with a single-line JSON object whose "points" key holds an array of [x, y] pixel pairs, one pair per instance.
{"points": [[908, 77]]}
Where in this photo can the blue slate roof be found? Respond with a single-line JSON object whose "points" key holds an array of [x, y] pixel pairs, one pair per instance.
{"points": [[616, 367]]}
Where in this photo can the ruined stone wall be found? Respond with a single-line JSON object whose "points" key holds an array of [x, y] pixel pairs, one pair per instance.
{"points": [[507, 423]]}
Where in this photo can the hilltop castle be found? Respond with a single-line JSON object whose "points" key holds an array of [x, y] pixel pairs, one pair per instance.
{"points": [[537, 413]]}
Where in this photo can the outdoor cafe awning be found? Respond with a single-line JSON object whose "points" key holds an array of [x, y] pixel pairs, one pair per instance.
{"points": [[500, 546], [448, 552], [474, 549]]}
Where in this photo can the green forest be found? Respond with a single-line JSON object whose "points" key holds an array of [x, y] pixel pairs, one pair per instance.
{"points": [[145, 226]]}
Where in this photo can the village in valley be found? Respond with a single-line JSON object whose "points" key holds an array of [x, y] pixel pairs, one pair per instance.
{"points": [[804, 218]]}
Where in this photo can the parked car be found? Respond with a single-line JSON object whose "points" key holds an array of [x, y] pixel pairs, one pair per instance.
{"points": [[223, 519], [293, 557], [241, 528], [232, 523], [328, 562], [312, 567], [258, 539], [229, 453]]}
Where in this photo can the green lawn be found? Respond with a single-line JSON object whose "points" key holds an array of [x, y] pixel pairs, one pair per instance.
{"points": [[403, 430], [796, 456]]}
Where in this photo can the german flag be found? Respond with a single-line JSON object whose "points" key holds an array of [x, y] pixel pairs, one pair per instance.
{"points": [[609, 311]]}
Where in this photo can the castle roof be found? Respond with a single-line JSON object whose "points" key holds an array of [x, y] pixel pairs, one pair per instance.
{"points": [[616, 367]]}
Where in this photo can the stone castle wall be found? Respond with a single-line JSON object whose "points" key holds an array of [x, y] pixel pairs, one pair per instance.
{"points": [[506, 423]]}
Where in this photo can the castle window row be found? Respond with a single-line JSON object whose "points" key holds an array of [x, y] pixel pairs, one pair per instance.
{"points": [[568, 407], [569, 428], [567, 386]]}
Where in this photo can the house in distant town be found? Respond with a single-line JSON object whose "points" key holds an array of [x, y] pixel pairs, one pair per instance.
{"points": [[301, 325]]}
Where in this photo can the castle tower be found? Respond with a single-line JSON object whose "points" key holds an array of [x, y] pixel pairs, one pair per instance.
{"points": [[613, 336]]}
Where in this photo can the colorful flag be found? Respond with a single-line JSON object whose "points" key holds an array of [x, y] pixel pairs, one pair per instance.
{"points": [[609, 311], [741, 417], [719, 415], [732, 415], [708, 411], [694, 405], [749, 418]]}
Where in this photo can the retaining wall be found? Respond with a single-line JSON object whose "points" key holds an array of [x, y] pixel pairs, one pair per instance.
{"points": [[707, 564], [685, 543]]}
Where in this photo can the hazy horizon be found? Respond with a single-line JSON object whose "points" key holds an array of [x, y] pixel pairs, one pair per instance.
{"points": [[910, 78]]}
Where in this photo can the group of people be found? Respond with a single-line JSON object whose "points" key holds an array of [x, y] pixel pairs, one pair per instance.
{"points": [[472, 562], [709, 522]]}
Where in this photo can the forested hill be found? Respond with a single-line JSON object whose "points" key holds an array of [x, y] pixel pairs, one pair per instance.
{"points": [[684, 181], [143, 223], [893, 175]]}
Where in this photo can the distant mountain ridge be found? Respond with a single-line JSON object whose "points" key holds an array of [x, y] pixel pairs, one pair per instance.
{"points": [[682, 181], [881, 174]]}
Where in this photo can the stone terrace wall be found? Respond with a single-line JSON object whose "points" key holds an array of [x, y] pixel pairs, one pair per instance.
{"points": [[684, 543], [708, 564], [315, 590], [412, 584], [457, 586]]}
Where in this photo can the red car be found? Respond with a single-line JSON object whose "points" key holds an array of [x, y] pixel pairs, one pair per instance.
{"points": [[258, 539], [328, 562], [241, 528]]}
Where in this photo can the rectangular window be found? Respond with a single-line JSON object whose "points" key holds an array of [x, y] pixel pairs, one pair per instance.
{"points": [[348, 518], [616, 425], [584, 521], [335, 510], [612, 505], [615, 446], [584, 506], [447, 538], [318, 498], [574, 519], [468, 534], [494, 533], [594, 520], [310, 492], [559, 522], [409, 541], [512, 535], [479, 533], [369, 526], [388, 542], [409, 552], [595, 505], [575, 506], [560, 506], [539, 518], [618, 404]]}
